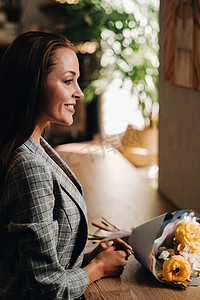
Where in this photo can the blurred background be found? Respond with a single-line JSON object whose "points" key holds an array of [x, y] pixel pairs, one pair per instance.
{"points": [[120, 44], [117, 46]]}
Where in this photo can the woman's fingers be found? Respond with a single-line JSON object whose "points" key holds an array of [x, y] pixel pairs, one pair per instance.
{"points": [[114, 261], [120, 244], [106, 244]]}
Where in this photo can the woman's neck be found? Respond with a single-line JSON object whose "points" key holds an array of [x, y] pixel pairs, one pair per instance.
{"points": [[37, 133]]}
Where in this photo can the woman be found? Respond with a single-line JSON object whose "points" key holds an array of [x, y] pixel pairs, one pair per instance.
{"points": [[43, 222]]}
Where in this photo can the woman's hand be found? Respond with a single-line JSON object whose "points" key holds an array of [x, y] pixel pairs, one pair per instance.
{"points": [[109, 259], [118, 243], [111, 262]]}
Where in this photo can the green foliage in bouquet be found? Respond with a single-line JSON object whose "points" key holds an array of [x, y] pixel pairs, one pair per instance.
{"points": [[126, 46]]}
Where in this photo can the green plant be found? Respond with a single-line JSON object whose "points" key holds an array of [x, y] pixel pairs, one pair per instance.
{"points": [[126, 46]]}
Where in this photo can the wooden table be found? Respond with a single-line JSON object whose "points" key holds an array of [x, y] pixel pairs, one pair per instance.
{"points": [[114, 189]]}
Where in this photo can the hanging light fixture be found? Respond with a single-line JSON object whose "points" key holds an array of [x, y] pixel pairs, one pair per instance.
{"points": [[87, 47]]}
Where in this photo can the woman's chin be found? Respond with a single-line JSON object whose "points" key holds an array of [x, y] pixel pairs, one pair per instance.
{"points": [[65, 122]]}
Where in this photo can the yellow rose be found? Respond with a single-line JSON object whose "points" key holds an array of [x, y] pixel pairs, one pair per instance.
{"points": [[188, 233], [177, 269]]}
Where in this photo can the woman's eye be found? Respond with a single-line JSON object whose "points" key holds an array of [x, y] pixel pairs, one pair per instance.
{"points": [[68, 81]]}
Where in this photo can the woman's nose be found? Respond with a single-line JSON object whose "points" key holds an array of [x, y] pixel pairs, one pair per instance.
{"points": [[78, 94]]}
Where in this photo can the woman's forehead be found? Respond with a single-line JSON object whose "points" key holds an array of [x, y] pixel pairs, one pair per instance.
{"points": [[66, 61]]}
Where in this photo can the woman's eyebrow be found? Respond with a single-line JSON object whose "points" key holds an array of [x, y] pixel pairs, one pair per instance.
{"points": [[72, 72]]}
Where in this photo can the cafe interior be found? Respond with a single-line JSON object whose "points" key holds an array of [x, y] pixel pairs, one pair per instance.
{"points": [[134, 144]]}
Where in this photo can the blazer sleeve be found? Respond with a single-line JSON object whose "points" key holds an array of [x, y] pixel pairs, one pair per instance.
{"points": [[30, 202]]}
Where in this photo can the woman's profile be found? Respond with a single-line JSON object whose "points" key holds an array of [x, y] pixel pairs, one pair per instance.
{"points": [[43, 216]]}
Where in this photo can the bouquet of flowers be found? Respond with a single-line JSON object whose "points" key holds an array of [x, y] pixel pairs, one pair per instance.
{"points": [[169, 247]]}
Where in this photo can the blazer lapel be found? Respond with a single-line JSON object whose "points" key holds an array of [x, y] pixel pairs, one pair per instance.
{"points": [[58, 160], [66, 177]]}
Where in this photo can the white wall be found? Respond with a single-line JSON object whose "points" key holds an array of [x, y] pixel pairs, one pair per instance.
{"points": [[179, 139]]}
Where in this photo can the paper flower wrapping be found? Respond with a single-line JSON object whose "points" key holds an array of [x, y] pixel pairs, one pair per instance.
{"points": [[169, 247]]}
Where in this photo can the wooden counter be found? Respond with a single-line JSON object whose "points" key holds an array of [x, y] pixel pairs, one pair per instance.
{"points": [[114, 189]]}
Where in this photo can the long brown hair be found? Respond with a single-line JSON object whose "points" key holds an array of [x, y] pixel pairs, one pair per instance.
{"points": [[23, 71]]}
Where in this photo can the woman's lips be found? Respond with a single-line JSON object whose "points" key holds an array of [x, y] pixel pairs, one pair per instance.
{"points": [[70, 107]]}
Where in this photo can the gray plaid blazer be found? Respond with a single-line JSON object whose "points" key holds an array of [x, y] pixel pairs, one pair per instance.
{"points": [[43, 227]]}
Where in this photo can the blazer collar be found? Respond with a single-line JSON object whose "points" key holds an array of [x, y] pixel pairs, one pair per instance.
{"points": [[66, 176]]}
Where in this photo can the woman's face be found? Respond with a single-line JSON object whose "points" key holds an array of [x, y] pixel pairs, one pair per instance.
{"points": [[62, 88]]}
